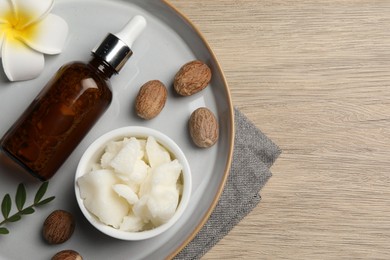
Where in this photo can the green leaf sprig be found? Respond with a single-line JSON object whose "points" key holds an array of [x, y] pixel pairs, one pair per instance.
{"points": [[20, 200]]}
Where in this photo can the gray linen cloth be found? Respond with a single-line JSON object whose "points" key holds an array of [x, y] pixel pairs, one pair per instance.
{"points": [[253, 155]]}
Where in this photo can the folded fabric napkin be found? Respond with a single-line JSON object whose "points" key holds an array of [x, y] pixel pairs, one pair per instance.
{"points": [[253, 155]]}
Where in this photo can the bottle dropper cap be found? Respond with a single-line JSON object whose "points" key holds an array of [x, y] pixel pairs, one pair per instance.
{"points": [[115, 49]]}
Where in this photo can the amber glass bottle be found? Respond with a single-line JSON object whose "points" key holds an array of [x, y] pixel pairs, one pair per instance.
{"points": [[68, 106]]}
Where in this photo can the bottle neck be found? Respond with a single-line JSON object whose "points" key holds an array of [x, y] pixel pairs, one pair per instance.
{"points": [[102, 67]]}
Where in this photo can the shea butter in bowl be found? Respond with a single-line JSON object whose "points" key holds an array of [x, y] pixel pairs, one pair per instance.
{"points": [[133, 183]]}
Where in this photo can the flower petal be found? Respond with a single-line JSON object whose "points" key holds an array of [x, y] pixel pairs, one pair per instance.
{"points": [[5, 10], [30, 11], [5, 13], [2, 36], [19, 61], [47, 36]]}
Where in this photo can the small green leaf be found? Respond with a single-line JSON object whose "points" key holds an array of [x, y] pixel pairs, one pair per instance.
{"points": [[27, 211], [41, 192], [14, 218], [6, 206], [20, 200], [45, 201], [3, 231], [20, 197]]}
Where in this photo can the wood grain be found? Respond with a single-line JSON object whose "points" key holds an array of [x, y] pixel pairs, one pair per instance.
{"points": [[314, 76]]}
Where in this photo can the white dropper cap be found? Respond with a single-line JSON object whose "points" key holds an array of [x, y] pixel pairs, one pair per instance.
{"points": [[132, 30], [115, 49]]}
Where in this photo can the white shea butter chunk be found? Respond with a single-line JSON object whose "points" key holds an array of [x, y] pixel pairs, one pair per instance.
{"points": [[166, 174], [112, 149], [139, 172], [159, 195], [146, 185], [100, 199], [162, 204], [140, 209], [125, 160], [156, 154], [126, 192], [133, 185], [131, 223]]}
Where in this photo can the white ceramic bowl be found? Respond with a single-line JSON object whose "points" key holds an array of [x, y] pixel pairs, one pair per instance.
{"points": [[93, 154]]}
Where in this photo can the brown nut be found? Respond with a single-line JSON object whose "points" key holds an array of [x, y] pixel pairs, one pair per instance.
{"points": [[192, 78], [67, 255], [203, 127], [151, 99], [58, 227]]}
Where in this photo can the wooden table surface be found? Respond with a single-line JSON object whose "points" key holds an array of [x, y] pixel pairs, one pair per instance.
{"points": [[314, 76]]}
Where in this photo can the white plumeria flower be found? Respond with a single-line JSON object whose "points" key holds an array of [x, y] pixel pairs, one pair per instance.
{"points": [[28, 31]]}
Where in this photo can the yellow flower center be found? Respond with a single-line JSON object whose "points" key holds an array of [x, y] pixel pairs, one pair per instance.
{"points": [[15, 27]]}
